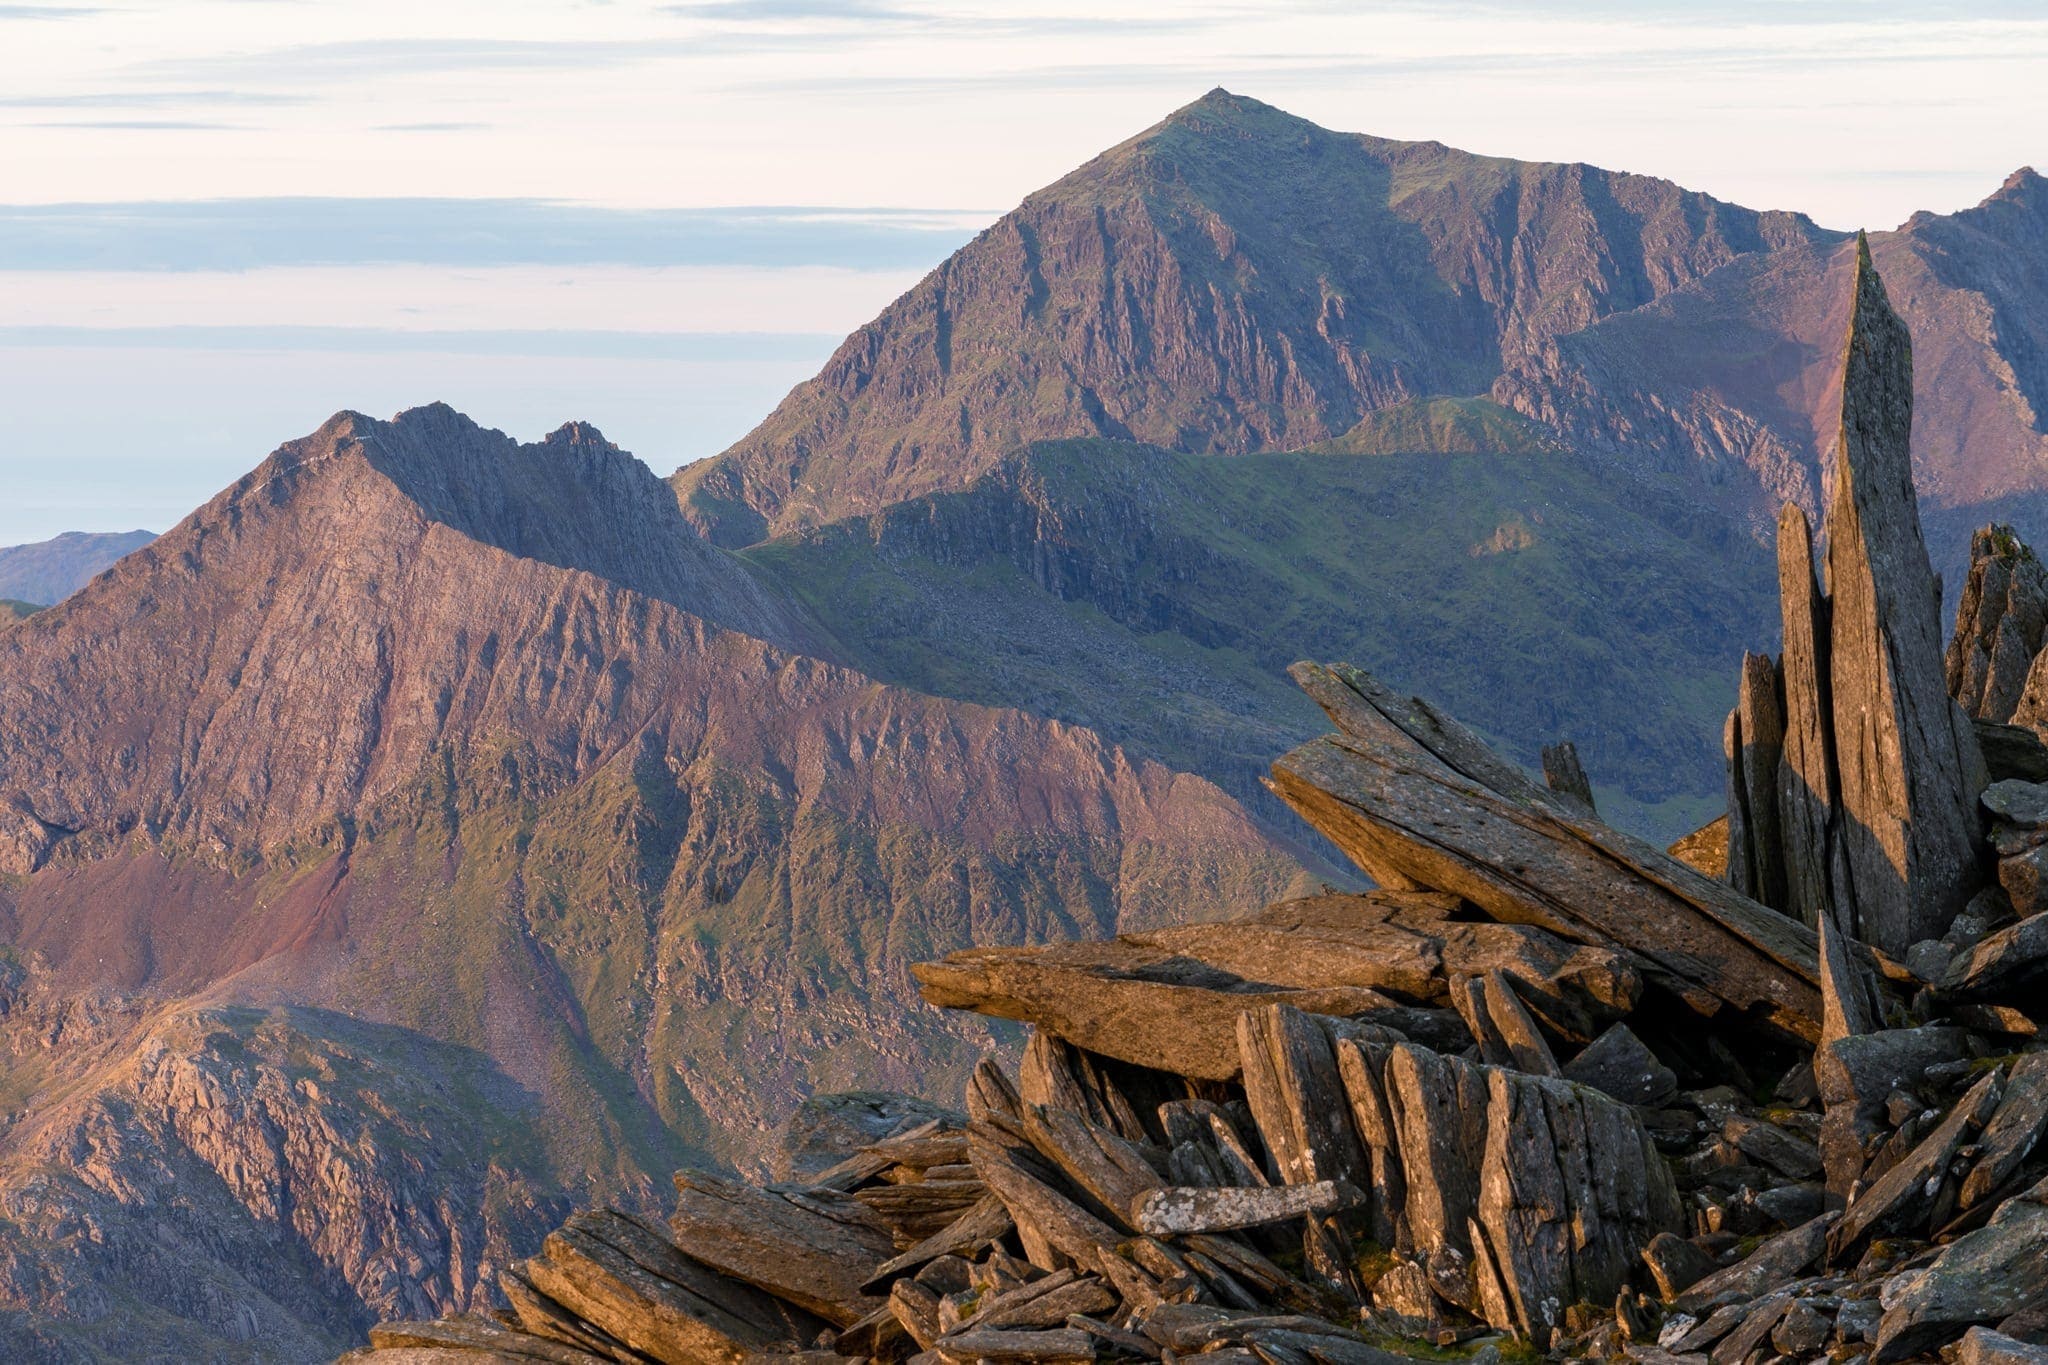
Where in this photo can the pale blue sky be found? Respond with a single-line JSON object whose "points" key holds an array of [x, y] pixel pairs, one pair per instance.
{"points": [[225, 219]]}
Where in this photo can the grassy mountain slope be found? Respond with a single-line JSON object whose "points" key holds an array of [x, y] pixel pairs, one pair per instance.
{"points": [[1157, 597], [1443, 426]]}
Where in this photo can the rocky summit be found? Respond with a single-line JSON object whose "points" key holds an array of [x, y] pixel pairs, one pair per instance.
{"points": [[1550, 1090]]}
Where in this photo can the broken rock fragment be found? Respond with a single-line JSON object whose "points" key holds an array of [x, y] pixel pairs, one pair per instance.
{"points": [[812, 1253], [2010, 965], [1777, 1262], [1175, 1211], [1618, 1064]]}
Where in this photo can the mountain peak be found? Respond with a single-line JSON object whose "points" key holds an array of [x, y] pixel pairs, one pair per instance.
{"points": [[1222, 101], [1187, 135], [2024, 186], [439, 417], [2018, 206], [1221, 111], [577, 435]]}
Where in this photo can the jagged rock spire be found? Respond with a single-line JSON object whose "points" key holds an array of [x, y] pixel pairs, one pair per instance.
{"points": [[1909, 766]]}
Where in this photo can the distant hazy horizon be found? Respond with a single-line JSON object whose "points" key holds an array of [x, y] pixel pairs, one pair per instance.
{"points": [[226, 220]]}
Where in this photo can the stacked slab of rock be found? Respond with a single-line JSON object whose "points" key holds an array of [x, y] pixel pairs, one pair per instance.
{"points": [[1075, 1215]]}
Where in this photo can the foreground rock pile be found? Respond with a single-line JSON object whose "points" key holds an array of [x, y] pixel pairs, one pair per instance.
{"points": [[1776, 1094]]}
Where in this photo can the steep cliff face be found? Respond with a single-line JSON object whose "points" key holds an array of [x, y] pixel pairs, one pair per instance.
{"points": [[1233, 279], [299, 645], [368, 734], [1725, 381]]}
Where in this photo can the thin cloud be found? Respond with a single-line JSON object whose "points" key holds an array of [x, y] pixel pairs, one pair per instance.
{"points": [[429, 127], [252, 234], [415, 56], [1762, 12], [31, 13], [144, 125], [696, 347], [152, 99], [2017, 43], [729, 28], [778, 11], [851, 16], [447, 56]]}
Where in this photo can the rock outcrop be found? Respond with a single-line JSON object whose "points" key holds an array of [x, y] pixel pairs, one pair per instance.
{"points": [[1222, 1142], [1095, 1223], [1999, 625]]}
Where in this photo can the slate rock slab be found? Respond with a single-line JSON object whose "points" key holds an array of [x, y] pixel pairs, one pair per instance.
{"points": [[625, 1279], [1982, 1346], [811, 1257], [2009, 966], [1983, 1277], [1772, 1265]]}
